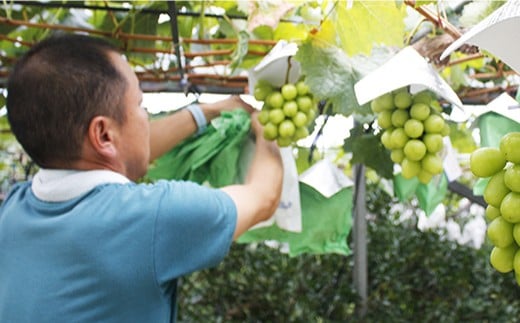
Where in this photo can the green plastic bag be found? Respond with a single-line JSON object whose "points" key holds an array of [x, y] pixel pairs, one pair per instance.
{"points": [[210, 157], [493, 127], [480, 186], [405, 188], [326, 224], [429, 195]]}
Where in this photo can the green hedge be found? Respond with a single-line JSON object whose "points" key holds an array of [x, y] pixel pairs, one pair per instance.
{"points": [[414, 276]]}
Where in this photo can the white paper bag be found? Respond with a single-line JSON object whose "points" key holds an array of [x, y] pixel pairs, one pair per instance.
{"points": [[288, 216], [273, 67], [406, 68]]}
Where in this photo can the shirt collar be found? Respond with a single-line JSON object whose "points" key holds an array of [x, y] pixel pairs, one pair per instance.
{"points": [[58, 185]]}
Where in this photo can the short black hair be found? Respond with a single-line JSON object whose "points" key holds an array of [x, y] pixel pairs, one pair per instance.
{"points": [[55, 90]]}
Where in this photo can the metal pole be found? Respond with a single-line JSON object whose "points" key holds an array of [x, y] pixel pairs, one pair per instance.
{"points": [[360, 240]]}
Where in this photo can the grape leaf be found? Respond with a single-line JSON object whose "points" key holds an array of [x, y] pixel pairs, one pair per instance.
{"points": [[369, 23], [366, 148], [330, 76], [240, 51], [290, 32], [326, 34]]}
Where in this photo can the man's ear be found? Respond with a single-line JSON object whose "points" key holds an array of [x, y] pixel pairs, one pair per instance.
{"points": [[102, 136]]}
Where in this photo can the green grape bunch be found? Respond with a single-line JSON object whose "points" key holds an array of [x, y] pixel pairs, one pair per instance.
{"points": [[286, 112], [502, 194], [413, 130]]}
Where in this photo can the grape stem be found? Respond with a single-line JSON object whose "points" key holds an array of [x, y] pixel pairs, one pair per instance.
{"points": [[288, 69]]}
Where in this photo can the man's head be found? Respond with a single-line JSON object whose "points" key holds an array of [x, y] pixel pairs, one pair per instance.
{"points": [[60, 89]]}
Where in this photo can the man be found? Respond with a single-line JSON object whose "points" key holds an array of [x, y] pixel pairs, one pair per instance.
{"points": [[83, 242]]}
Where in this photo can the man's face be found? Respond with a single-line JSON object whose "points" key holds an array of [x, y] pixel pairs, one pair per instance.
{"points": [[134, 143]]}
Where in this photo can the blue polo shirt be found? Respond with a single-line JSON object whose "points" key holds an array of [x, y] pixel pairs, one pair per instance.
{"points": [[111, 254]]}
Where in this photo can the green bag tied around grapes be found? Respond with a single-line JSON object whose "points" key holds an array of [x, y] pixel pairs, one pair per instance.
{"points": [[211, 157], [326, 223], [429, 195]]}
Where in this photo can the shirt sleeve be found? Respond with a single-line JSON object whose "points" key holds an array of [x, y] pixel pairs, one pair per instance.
{"points": [[193, 230]]}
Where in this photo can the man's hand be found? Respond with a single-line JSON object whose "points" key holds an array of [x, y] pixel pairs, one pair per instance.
{"points": [[213, 110]]}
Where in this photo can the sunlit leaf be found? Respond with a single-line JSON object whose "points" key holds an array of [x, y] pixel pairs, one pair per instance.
{"points": [[369, 23], [290, 31], [326, 34]]}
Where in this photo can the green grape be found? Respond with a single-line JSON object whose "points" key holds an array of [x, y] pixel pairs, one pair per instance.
{"points": [[424, 176], [402, 99], [284, 141], [290, 108], [276, 116], [386, 139], [509, 207], [512, 178], [486, 161], [434, 124], [432, 163], [414, 150], [289, 91], [500, 232], [493, 213], [304, 103], [413, 128], [433, 142], [398, 138], [496, 190], [270, 131], [276, 100], [502, 258], [300, 133], [509, 145], [423, 97], [286, 129], [399, 117], [300, 119], [302, 88], [263, 117], [397, 155], [410, 168], [383, 102], [420, 111], [384, 119]]}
